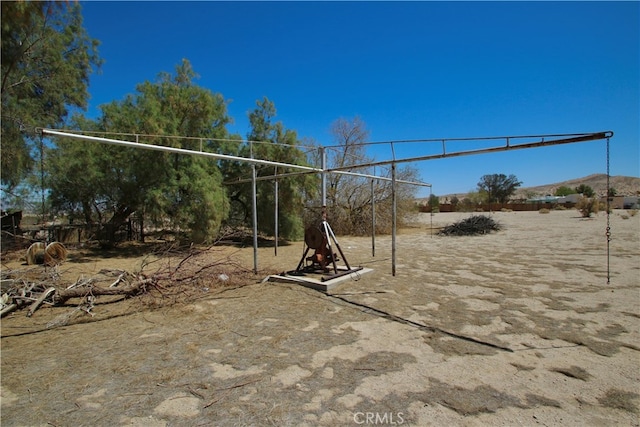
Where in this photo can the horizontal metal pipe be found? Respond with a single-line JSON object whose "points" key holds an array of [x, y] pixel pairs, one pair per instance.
{"points": [[509, 146], [568, 138], [340, 172], [176, 150], [481, 138]]}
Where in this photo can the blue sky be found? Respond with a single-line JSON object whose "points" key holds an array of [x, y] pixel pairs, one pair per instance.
{"points": [[409, 70]]}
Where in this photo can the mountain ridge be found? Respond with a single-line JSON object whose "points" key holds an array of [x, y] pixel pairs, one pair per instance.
{"points": [[624, 185]]}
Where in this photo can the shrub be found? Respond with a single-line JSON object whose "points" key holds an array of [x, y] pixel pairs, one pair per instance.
{"points": [[588, 206], [544, 211], [632, 212]]}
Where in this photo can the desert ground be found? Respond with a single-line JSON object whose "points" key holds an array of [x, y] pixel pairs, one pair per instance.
{"points": [[517, 327]]}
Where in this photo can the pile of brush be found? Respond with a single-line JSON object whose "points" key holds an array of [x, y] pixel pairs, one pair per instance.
{"points": [[477, 224]]}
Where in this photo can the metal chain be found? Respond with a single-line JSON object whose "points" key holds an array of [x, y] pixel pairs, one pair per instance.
{"points": [[608, 233]]}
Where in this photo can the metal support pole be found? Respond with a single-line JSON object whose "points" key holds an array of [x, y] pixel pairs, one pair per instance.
{"points": [[254, 204], [275, 247], [431, 212], [393, 220], [608, 232], [373, 220], [393, 213], [323, 166], [44, 213]]}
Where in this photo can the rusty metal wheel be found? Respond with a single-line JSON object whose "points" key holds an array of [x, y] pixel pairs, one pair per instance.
{"points": [[313, 237]]}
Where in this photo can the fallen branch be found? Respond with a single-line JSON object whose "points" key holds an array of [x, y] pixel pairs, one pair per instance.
{"points": [[62, 296], [40, 300], [8, 309]]}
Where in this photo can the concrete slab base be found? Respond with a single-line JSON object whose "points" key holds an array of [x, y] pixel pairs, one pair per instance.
{"points": [[315, 281]]}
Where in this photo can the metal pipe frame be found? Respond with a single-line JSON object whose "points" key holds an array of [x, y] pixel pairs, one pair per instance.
{"points": [[484, 138], [130, 144], [508, 146], [558, 139], [340, 172], [307, 169]]}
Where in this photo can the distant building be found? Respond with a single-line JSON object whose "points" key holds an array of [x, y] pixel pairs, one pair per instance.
{"points": [[622, 202], [544, 199], [631, 202], [570, 198]]}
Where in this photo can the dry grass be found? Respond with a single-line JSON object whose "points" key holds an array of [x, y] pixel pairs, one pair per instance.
{"points": [[619, 399], [478, 330], [573, 372]]}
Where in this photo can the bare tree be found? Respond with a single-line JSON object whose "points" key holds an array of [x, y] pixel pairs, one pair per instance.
{"points": [[349, 198]]}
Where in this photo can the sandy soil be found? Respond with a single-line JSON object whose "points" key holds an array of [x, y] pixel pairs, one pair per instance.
{"points": [[517, 327]]}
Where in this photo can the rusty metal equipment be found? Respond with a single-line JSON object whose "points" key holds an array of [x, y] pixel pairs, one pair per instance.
{"points": [[319, 239]]}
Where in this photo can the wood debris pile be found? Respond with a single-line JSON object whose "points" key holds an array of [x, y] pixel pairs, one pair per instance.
{"points": [[176, 279], [477, 224], [35, 287]]}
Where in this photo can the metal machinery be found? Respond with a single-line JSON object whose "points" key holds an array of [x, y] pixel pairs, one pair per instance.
{"points": [[323, 253], [318, 239]]}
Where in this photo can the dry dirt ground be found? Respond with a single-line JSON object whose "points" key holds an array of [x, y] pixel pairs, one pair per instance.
{"points": [[518, 327]]}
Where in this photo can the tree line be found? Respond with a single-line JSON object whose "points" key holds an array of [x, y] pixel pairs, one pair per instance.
{"points": [[47, 59], [499, 188]]}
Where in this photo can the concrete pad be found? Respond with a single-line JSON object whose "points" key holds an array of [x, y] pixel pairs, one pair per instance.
{"points": [[315, 281]]}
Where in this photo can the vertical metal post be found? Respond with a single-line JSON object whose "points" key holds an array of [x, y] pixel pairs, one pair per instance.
{"points": [[254, 203], [431, 212], [393, 213], [275, 247], [373, 220], [323, 166], [42, 178], [608, 232]]}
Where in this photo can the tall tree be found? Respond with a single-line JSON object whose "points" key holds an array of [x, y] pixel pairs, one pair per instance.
{"points": [[47, 58], [270, 140], [498, 187], [585, 190], [107, 183], [433, 203], [563, 190]]}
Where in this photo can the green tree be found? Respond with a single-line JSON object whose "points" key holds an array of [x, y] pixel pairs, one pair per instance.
{"points": [[47, 58], [585, 190], [498, 187], [433, 203], [106, 184], [270, 140], [564, 191]]}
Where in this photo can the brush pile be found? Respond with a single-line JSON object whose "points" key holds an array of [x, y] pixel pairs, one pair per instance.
{"points": [[472, 226], [182, 274]]}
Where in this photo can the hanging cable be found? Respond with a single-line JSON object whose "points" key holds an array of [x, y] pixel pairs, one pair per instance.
{"points": [[431, 210], [608, 233]]}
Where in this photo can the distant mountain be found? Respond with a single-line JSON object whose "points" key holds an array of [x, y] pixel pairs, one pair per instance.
{"points": [[624, 186]]}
